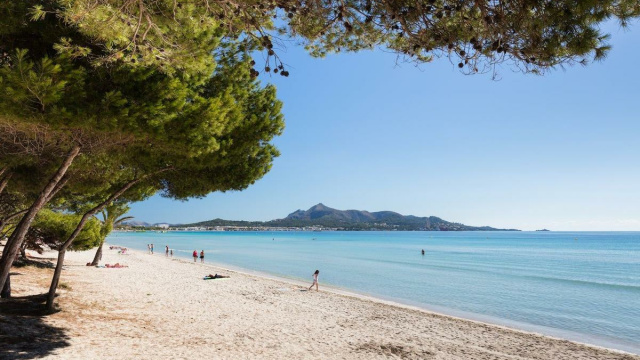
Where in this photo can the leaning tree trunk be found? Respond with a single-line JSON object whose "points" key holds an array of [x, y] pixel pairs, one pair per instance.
{"points": [[17, 237], [63, 250], [60, 262], [98, 257], [56, 278], [6, 290]]}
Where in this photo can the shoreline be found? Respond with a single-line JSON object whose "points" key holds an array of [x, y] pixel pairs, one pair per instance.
{"points": [[512, 325], [161, 308]]}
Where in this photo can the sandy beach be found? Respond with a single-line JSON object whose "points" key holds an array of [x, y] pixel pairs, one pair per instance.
{"points": [[159, 307]]}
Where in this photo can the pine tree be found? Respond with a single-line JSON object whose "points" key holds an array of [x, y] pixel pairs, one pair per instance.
{"points": [[136, 119]]}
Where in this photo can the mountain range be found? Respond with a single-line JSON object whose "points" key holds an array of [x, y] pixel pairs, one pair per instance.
{"points": [[321, 215]]}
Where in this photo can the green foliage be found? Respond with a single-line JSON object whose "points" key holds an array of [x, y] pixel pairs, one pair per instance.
{"points": [[214, 136], [51, 78], [530, 35], [64, 94], [248, 118], [36, 84], [52, 228], [134, 120], [171, 36], [112, 216]]}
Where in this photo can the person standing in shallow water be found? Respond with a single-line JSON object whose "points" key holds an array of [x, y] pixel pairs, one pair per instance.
{"points": [[315, 280], [195, 255], [166, 250], [151, 249], [202, 256]]}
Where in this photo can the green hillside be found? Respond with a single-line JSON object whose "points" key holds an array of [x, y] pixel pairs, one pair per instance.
{"points": [[326, 217]]}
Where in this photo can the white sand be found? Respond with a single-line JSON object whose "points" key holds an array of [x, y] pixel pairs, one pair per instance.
{"points": [[159, 308]]}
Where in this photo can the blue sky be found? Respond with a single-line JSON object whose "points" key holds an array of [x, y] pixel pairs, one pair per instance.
{"points": [[558, 151]]}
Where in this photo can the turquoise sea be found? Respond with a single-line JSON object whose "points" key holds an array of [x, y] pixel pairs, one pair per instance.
{"points": [[583, 286]]}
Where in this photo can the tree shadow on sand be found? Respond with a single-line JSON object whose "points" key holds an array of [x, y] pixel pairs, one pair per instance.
{"points": [[42, 263], [23, 332]]}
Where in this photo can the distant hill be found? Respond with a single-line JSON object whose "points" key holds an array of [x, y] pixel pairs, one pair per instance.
{"points": [[324, 216], [136, 223]]}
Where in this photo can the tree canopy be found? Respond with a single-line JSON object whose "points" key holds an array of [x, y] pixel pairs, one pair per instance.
{"points": [[529, 35]]}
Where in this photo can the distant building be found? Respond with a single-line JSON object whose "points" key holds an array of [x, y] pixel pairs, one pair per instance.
{"points": [[163, 226]]}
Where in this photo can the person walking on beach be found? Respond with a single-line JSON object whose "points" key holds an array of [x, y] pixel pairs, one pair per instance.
{"points": [[202, 256], [151, 249], [171, 252], [195, 255], [166, 250], [315, 280]]}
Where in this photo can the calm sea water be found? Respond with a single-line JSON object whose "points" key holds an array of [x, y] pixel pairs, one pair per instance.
{"points": [[583, 286]]}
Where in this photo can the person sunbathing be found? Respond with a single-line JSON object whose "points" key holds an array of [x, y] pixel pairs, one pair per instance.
{"points": [[116, 265], [216, 276]]}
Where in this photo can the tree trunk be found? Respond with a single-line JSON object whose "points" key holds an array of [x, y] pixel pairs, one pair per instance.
{"points": [[23, 251], [98, 257], [17, 237], [56, 278], [61, 252], [6, 290]]}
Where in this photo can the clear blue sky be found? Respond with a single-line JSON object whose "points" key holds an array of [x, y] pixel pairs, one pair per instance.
{"points": [[560, 151]]}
